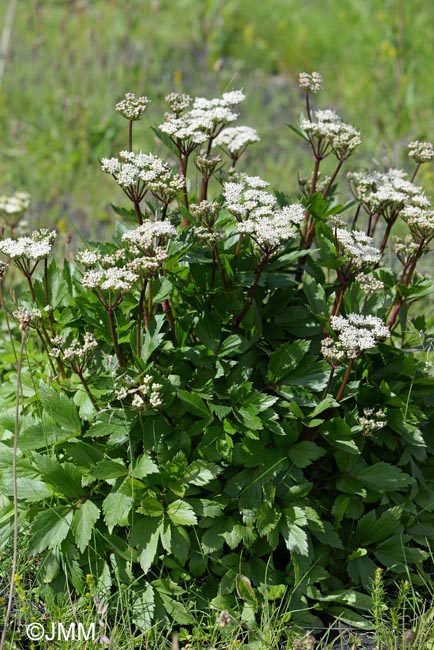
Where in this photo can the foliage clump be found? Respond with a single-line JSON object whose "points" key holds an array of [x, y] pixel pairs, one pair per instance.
{"points": [[220, 404]]}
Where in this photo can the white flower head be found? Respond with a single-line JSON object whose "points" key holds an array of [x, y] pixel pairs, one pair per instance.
{"points": [[236, 138], [328, 127], [16, 204], [358, 332], [35, 247], [357, 247], [310, 82], [132, 107], [421, 152]]}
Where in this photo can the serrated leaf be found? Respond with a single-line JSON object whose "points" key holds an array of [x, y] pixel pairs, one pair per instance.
{"points": [[83, 522], [143, 607], [383, 476], [153, 336], [144, 466], [180, 543], [285, 359], [295, 538], [49, 529], [200, 472], [177, 611], [151, 507], [304, 453], [61, 409], [144, 536], [116, 507], [244, 588], [193, 403], [181, 512]]}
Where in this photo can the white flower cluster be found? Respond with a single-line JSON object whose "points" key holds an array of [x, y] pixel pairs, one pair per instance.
{"points": [[258, 213], [206, 212], [134, 170], [117, 280], [92, 258], [30, 316], [369, 283], [148, 391], [421, 151], [385, 192], [356, 333], [248, 198], [132, 107], [148, 242], [357, 247], [77, 350], [178, 102], [310, 82], [35, 247], [372, 421], [235, 139], [16, 204], [269, 232], [199, 123], [420, 222], [405, 248], [329, 129]]}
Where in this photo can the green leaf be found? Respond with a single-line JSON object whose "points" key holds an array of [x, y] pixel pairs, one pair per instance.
{"points": [[108, 469], [29, 489], [193, 403], [200, 472], [83, 523], [286, 358], [61, 409], [153, 336], [315, 294], [383, 476], [295, 538], [151, 507], [180, 543], [144, 466], [370, 529], [144, 536], [143, 607], [208, 331], [116, 508], [49, 528], [304, 453], [244, 588], [312, 374], [177, 611], [181, 512]]}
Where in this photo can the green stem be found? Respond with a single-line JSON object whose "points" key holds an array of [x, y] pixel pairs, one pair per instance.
{"points": [[86, 388], [329, 383]]}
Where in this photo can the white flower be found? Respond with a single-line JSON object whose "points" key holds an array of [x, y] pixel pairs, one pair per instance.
{"points": [[15, 204], [35, 247], [132, 107], [236, 139], [386, 192], [330, 129], [199, 123], [311, 83], [271, 231], [420, 221], [372, 421], [421, 151], [118, 280], [369, 283], [144, 236], [357, 247], [358, 332], [178, 102]]}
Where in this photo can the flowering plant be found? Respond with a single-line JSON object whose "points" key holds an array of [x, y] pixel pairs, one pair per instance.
{"points": [[190, 374]]}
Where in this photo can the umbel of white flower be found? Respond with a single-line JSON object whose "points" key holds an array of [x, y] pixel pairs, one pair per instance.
{"points": [[35, 247], [386, 192], [132, 107], [357, 247], [248, 198], [328, 128], [355, 334], [421, 152], [200, 122], [310, 82], [16, 204], [236, 138]]}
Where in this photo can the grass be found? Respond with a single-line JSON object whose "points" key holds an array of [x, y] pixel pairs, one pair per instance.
{"points": [[70, 61]]}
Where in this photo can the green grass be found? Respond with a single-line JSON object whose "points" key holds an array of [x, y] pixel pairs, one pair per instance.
{"points": [[69, 62]]}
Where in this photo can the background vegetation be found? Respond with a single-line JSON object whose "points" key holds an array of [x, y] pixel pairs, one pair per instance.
{"points": [[70, 61]]}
